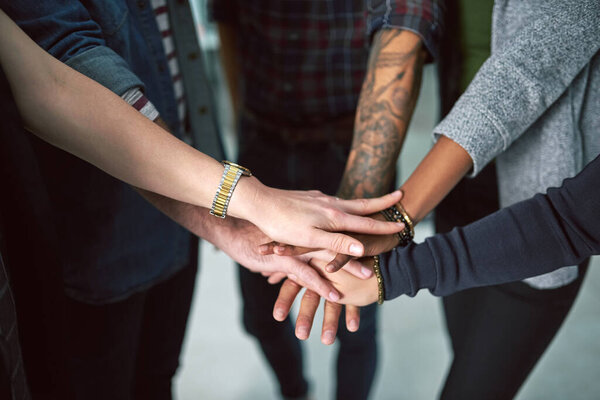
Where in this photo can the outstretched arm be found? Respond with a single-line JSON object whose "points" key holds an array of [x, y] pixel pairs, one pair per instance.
{"points": [[529, 238], [80, 116]]}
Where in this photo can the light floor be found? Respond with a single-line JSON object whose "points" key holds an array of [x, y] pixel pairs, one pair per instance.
{"points": [[221, 362]]}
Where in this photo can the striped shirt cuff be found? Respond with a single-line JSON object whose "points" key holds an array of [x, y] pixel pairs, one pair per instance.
{"points": [[135, 98]]}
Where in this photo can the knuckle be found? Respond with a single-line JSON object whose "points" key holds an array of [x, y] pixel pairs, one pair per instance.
{"points": [[332, 214], [363, 204], [338, 243], [311, 296]]}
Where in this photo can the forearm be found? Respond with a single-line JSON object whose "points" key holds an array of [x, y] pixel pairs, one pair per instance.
{"points": [[526, 239], [441, 169], [386, 104], [195, 219], [78, 115]]}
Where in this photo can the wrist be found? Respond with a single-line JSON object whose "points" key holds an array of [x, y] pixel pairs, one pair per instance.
{"points": [[247, 198]]}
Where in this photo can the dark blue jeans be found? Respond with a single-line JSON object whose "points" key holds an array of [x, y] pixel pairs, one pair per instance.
{"points": [[297, 164]]}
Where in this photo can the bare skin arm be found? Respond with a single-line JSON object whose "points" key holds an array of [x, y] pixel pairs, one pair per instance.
{"points": [[387, 101], [80, 116], [386, 104]]}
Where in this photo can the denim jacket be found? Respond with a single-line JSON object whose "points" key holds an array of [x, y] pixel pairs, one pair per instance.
{"points": [[112, 242]]}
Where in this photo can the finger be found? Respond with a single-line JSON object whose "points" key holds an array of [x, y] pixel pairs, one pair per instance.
{"points": [[352, 318], [312, 280], [337, 242], [289, 250], [267, 248], [306, 314], [331, 319], [287, 294], [369, 206], [276, 277], [338, 262], [355, 223], [357, 269]]}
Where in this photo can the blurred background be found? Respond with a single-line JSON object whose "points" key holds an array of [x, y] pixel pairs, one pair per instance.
{"points": [[221, 362]]}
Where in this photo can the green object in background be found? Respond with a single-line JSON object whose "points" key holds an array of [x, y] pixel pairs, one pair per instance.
{"points": [[475, 37]]}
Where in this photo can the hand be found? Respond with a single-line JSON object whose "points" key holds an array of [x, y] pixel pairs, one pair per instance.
{"points": [[312, 219], [308, 308], [354, 268], [373, 245], [356, 292], [240, 239]]}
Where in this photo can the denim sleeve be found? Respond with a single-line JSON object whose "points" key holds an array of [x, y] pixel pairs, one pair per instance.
{"points": [[107, 68], [66, 30], [527, 239], [423, 17]]}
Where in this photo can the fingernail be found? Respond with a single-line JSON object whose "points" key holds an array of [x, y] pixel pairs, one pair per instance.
{"points": [[263, 248], [396, 193], [366, 271], [352, 325], [279, 314], [278, 249], [302, 332], [328, 337], [330, 268], [334, 296], [293, 277], [355, 250], [400, 225]]}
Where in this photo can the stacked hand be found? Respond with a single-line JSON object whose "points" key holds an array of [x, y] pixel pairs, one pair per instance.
{"points": [[355, 292], [314, 220]]}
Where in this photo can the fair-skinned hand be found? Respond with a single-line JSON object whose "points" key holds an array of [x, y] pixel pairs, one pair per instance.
{"points": [[354, 268], [356, 292], [373, 245], [312, 219], [240, 239]]}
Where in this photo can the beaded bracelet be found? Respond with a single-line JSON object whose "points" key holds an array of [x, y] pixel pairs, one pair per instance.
{"points": [[377, 271], [397, 213]]}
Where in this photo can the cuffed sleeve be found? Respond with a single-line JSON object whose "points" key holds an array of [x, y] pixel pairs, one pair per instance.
{"points": [[66, 30], [522, 79], [107, 68], [425, 18], [400, 274]]}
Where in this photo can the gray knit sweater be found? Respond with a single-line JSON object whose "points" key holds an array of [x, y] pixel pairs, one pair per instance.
{"points": [[535, 103]]}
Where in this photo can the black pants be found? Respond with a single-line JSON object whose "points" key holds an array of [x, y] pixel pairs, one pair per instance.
{"points": [[498, 333], [13, 384], [301, 166], [130, 349]]}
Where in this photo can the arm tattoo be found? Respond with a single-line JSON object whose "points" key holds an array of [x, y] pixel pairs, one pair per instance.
{"points": [[386, 103]]}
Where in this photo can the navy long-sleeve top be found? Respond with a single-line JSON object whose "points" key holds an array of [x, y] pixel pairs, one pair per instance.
{"points": [[529, 238]]}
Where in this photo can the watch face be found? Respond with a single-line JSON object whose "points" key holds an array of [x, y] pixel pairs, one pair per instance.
{"points": [[245, 171]]}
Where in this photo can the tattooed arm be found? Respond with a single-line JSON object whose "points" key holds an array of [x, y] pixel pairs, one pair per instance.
{"points": [[386, 104]]}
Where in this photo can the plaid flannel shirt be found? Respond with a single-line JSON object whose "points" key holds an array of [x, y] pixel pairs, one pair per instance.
{"points": [[304, 61]]}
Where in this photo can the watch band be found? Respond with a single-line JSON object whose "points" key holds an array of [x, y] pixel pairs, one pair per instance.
{"points": [[231, 175]]}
